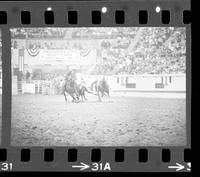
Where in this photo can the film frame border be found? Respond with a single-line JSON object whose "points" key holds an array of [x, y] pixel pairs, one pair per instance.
{"points": [[131, 10]]}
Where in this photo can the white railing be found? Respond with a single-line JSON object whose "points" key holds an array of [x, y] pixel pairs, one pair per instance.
{"points": [[117, 83]]}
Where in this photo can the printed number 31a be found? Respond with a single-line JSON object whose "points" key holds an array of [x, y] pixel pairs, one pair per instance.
{"points": [[101, 167], [6, 166]]}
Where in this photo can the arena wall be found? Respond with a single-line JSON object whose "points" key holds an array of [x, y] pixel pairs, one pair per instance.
{"points": [[175, 83], [167, 82]]}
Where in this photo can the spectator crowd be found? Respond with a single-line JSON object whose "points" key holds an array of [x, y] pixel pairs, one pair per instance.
{"points": [[152, 50]]}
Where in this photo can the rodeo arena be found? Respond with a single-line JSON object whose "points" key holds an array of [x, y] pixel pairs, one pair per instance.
{"points": [[98, 86]]}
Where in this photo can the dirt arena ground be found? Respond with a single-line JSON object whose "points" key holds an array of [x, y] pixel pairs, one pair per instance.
{"points": [[121, 121]]}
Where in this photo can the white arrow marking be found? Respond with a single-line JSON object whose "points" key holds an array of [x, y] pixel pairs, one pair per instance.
{"points": [[83, 166], [178, 167]]}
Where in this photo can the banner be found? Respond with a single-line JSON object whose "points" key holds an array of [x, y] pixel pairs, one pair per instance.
{"points": [[61, 57]]}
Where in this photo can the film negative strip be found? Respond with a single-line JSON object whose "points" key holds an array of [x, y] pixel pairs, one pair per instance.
{"points": [[96, 86]]}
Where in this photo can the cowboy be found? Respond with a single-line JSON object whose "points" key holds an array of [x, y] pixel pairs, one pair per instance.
{"points": [[71, 75]]}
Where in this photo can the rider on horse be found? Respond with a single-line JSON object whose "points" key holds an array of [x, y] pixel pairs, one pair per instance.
{"points": [[70, 85], [70, 77]]}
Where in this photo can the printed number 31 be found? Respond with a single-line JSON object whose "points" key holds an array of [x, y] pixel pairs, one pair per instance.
{"points": [[6, 166]]}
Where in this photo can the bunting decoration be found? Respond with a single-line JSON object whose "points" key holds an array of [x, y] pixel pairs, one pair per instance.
{"points": [[33, 50], [84, 52]]}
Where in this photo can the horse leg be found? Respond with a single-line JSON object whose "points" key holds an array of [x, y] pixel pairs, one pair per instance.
{"points": [[76, 98], [99, 97], [84, 97], [77, 95], [83, 89], [65, 96], [102, 94], [73, 98], [108, 94]]}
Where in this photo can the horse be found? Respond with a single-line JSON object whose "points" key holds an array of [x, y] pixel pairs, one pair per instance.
{"points": [[76, 91], [81, 92], [71, 87], [101, 87]]}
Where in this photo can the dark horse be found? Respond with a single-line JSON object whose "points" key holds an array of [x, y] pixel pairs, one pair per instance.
{"points": [[76, 91], [71, 87], [101, 87], [81, 92]]}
